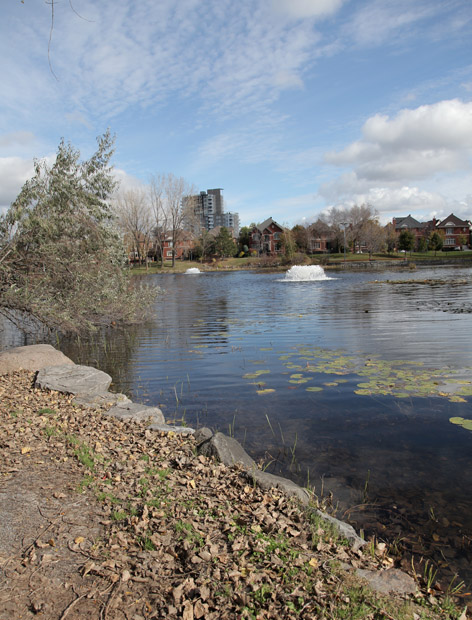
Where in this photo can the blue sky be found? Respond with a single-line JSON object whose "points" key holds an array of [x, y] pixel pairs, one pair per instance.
{"points": [[290, 106]]}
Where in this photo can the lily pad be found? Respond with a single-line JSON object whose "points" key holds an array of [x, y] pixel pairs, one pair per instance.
{"points": [[265, 391], [314, 389]]}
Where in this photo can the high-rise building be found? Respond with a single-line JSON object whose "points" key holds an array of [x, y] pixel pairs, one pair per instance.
{"points": [[208, 211]]}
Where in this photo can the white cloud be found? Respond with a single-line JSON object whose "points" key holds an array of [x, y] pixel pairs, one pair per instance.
{"points": [[431, 145], [415, 144], [14, 171]]}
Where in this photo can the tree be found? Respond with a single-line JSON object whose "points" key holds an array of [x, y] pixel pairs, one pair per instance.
{"points": [[288, 244], [435, 241], [300, 235], [62, 261], [372, 236], [224, 244], [406, 240], [171, 213], [244, 238], [136, 221], [391, 237], [421, 244], [205, 245]]}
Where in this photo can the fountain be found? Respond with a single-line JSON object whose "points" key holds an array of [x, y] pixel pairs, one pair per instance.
{"points": [[193, 270], [305, 273]]}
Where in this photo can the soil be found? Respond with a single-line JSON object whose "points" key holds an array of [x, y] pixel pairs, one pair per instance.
{"points": [[104, 519]]}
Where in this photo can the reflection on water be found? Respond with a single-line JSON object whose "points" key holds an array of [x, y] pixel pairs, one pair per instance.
{"points": [[241, 352]]}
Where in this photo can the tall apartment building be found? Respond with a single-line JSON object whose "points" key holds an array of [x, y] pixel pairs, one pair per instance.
{"points": [[208, 210]]}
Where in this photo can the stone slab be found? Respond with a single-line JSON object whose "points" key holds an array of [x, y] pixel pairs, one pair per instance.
{"points": [[169, 428], [136, 411], [228, 451], [33, 357], [392, 580], [76, 379], [94, 401]]}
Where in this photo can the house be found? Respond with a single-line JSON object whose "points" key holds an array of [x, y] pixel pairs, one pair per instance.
{"points": [[183, 247], [266, 238], [419, 229], [455, 232]]}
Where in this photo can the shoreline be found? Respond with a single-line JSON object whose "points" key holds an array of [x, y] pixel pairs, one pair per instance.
{"points": [[100, 431]]}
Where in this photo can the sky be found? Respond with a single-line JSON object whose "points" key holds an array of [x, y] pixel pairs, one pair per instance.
{"points": [[292, 107]]}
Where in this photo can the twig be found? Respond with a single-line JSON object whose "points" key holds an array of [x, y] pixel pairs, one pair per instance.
{"points": [[69, 607]]}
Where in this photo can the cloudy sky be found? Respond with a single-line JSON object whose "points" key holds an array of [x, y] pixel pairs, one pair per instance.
{"points": [[290, 106]]}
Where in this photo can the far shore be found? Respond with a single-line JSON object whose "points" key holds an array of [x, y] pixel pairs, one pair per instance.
{"points": [[327, 261]]}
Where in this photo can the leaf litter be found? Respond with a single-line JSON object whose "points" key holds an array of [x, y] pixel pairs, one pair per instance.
{"points": [[109, 520]]}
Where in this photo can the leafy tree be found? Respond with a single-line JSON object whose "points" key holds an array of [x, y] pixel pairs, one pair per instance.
{"points": [[406, 240], [421, 244], [204, 246], [288, 243], [62, 260], [300, 236], [243, 239], [224, 244], [435, 241]]}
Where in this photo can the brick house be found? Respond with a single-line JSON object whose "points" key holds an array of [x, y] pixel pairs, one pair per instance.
{"points": [[419, 229], [183, 248], [455, 232], [266, 238]]}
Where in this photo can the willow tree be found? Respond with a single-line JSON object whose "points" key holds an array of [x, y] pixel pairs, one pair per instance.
{"points": [[62, 260]]}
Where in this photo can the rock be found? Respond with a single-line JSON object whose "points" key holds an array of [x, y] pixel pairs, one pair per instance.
{"points": [[135, 411], [32, 357], [392, 580], [288, 487], [94, 401], [228, 451], [168, 428], [75, 379], [344, 529], [201, 435]]}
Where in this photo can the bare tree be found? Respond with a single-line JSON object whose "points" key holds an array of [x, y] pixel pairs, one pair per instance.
{"points": [[136, 221], [373, 236], [171, 216]]}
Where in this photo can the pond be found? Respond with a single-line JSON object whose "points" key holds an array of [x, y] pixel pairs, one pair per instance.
{"points": [[343, 381]]}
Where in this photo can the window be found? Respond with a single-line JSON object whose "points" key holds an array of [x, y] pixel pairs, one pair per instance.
{"points": [[266, 238], [169, 253], [276, 235], [449, 231], [450, 241]]}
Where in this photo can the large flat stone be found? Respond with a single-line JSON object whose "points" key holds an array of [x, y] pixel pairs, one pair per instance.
{"points": [[136, 411], [392, 580], [32, 358], [74, 379]]}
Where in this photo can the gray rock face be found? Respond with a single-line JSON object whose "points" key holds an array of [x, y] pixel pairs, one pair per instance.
{"points": [[75, 379], [93, 401], [345, 530], [228, 451], [389, 581], [135, 411], [169, 428], [268, 481], [32, 358]]}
